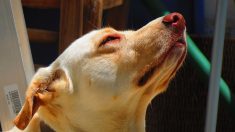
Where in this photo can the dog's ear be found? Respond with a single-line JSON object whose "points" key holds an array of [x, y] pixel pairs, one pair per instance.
{"points": [[41, 91]]}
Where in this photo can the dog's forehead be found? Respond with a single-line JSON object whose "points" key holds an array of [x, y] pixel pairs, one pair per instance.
{"points": [[84, 45], [77, 50], [90, 39]]}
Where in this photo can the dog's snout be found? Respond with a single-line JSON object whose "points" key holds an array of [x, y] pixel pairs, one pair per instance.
{"points": [[175, 20]]}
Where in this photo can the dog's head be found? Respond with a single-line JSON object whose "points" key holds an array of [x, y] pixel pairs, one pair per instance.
{"points": [[107, 70]]}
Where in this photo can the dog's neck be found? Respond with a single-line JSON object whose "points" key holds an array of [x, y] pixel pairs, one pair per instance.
{"points": [[114, 122], [130, 118]]}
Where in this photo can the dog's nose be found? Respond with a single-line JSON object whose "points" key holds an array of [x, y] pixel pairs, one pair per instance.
{"points": [[175, 20]]}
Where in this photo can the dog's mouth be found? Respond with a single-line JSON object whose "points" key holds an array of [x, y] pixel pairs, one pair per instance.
{"points": [[144, 79], [150, 70]]}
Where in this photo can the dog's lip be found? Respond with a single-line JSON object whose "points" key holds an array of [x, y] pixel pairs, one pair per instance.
{"points": [[147, 75], [180, 42]]}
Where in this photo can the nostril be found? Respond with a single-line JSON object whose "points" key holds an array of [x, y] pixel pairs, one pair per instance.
{"points": [[171, 18], [175, 18]]}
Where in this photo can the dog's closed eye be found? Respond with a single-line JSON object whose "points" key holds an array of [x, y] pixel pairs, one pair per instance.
{"points": [[110, 39]]}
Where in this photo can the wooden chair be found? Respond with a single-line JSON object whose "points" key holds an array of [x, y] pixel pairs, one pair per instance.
{"points": [[77, 17]]}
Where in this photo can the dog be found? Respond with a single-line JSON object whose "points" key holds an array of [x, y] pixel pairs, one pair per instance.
{"points": [[104, 81]]}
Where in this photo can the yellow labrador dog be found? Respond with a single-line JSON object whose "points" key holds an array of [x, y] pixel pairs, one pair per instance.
{"points": [[105, 80]]}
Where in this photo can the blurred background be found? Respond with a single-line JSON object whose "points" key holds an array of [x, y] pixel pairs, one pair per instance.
{"points": [[53, 25]]}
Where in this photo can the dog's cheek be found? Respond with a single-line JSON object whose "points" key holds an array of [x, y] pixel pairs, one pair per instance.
{"points": [[100, 70]]}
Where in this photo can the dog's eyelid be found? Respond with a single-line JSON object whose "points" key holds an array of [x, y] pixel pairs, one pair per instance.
{"points": [[109, 39]]}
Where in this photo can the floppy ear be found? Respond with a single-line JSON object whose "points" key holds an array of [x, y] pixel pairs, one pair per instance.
{"points": [[41, 91]]}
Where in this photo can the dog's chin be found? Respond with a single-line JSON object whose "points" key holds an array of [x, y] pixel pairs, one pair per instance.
{"points": [[169, 64]]}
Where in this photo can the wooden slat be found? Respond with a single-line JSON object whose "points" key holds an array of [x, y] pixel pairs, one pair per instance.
{"points": [[71, 22], [44, 4], [42, 36], [117, 16], [92, 15], [41, 4], [112, 3]]}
